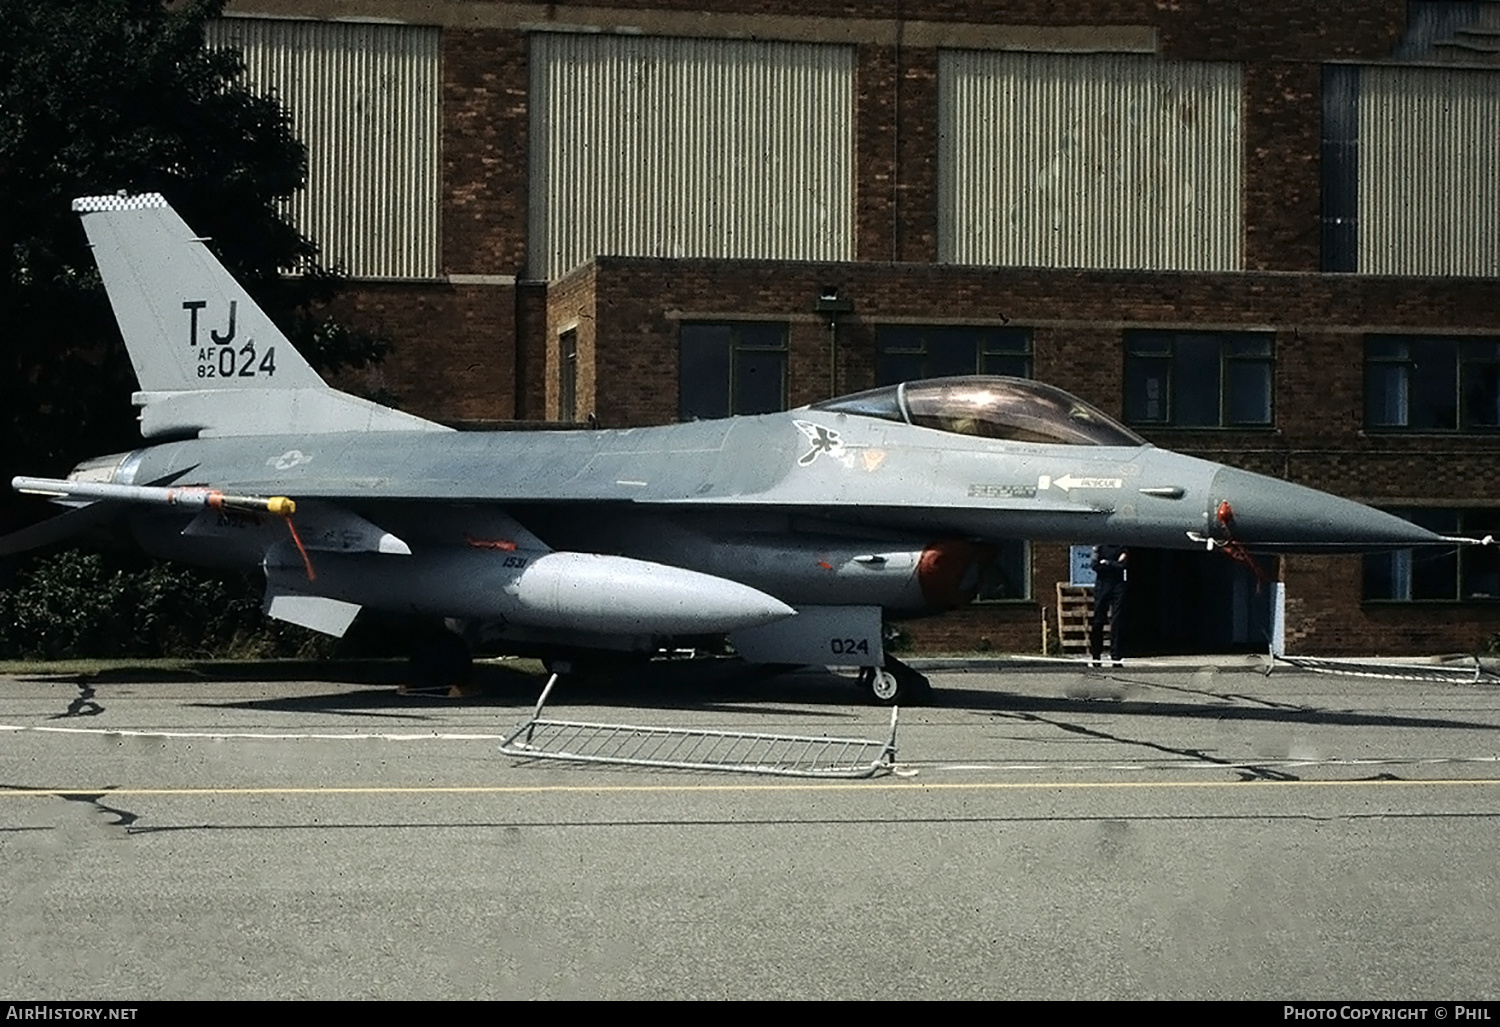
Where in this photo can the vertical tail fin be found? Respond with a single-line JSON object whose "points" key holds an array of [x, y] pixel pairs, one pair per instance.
{"points": [[209, 360], [187, 323]]}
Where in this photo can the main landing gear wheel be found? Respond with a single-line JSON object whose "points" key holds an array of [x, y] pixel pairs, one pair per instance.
{"points": [[894, 684]]}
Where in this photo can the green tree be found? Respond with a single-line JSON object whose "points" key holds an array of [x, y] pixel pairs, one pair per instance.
{"points": [[98, 96]]}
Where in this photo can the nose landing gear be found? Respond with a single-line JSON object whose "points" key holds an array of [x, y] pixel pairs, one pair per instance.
{"points": [[895, 684]]}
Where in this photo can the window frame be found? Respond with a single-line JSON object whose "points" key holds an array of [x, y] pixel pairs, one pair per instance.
{"points": [[990, 570], [1465, 359], [989, 349], [1143, 348], [1403, 568], [567, 376], [734, 359]]}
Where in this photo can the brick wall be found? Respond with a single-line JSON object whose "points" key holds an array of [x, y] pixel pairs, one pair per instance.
{"points": [[571, 306], [1325, 616], [472, 330], [484, 165], [1282, 109], [531, 351]]}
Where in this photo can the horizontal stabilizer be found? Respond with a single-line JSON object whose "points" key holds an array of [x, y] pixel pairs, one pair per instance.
{"points": [[58, 529], [327, 616], [257, 411]]}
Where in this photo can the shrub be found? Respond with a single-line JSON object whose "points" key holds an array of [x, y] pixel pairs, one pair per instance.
{"points": [[75, 604]]}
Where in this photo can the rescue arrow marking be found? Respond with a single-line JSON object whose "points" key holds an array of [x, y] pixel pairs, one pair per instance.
{"points": [[1067, 482]]}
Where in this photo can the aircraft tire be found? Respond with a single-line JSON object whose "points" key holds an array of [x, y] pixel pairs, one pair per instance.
{"points": [[895, 684]]}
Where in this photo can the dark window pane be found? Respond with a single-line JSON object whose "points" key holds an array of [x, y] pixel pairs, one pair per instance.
{"points": [[1195, 381], [1016, 366], [760, 381], [760, 335], [890, 338], [1467, 573], [1146, 382], [1416, 574], [952, 352], [1387, 347], [1380, 575], [567, 386], [910, 353], [1008, 575], [1008, 340], [1479, 566], [1444, 521], [892, 368], [1148, 344], [1249, 384], [1481, 573], [728, 368], [1258, 345], [1340, 168], [1434, 405], [703, 371], [1481, 395], [1434, 575], [1387, 395]]}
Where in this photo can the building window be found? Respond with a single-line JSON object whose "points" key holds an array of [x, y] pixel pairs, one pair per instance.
{"points": [[1461, 574], [1198, 379], [567, 376], [730, 367], [1340, 168], [1414, 383], [1007, 577], [908, 353]]}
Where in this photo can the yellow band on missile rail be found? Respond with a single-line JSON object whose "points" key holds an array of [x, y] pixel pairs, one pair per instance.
{"points": [[191, 497]]}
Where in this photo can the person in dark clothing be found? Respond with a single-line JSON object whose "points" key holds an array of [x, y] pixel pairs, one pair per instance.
{"points": [[1109, 595]]}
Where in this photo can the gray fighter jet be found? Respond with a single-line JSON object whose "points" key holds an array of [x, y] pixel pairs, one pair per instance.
{"points": [[795, 535]]}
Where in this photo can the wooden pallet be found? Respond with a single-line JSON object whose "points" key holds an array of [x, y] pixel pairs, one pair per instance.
{"points": [[1075, 604]]}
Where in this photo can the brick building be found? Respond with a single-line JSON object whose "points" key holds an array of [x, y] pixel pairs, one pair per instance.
{"points": [[1268, 235]]}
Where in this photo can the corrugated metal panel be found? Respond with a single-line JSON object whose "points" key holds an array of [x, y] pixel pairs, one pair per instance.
{"points": [[1429, 196], [1097, 161], [364, 99], [689, 148]]}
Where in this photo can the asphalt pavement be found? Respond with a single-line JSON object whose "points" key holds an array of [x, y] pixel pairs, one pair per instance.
{"points": [[1196, 828]]}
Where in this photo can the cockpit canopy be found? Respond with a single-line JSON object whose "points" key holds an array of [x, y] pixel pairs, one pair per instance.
{"points": [[990, 407]]}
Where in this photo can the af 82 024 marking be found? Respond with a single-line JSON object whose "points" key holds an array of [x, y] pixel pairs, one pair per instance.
{"points": [[228, 362]]}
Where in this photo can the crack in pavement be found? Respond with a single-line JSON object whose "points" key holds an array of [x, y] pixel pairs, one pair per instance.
{"points": [[1246, 772]]}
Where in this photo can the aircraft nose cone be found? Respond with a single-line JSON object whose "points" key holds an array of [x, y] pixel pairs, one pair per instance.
{"points": [[1273, 513]]}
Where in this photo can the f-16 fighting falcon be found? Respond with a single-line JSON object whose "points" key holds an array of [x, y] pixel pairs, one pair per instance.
{"points": [[796, 535]]}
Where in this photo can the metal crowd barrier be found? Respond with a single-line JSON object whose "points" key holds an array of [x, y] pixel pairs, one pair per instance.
{"points": [[1457, 674], [693, 749]]}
